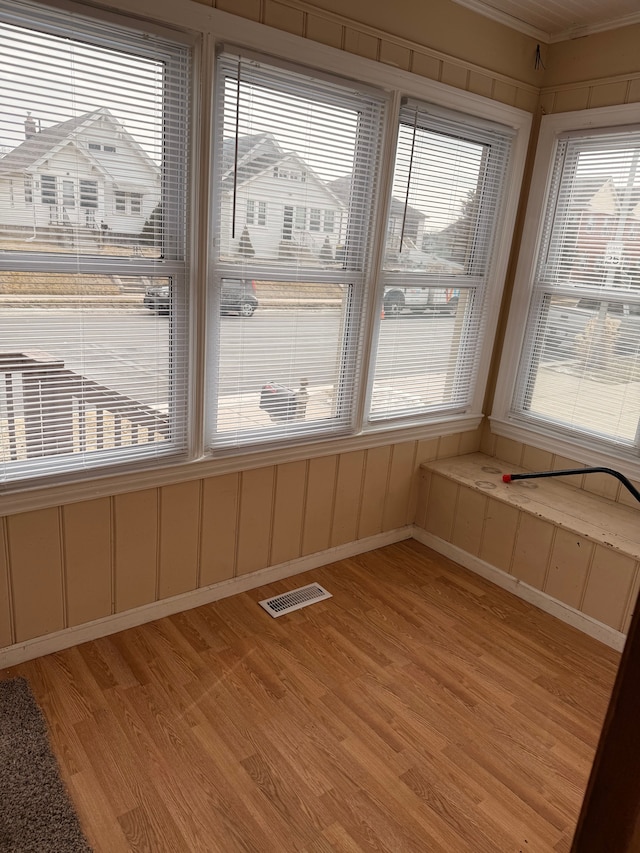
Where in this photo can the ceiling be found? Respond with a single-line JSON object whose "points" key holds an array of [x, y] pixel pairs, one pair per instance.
{"points": [[557, 20]]}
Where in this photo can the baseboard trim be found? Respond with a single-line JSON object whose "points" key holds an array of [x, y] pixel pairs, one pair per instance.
{"points": [[39, 646], [604, 633]]}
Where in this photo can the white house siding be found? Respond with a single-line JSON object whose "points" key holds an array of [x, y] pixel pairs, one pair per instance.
{"points": [[126, 170], [277, 194]]}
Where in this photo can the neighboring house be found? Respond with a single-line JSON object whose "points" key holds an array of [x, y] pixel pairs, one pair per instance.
{"points": [[86, 175], [607, 235], [280, 206], [405, 223]]}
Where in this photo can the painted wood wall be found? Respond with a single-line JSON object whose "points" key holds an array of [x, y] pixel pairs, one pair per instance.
{"points": [[64, 566]]}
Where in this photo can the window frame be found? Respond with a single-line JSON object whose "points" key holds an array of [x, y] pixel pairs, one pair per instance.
{"points": [[119, 33], [505, 420], [478, 283], [205, 30]]}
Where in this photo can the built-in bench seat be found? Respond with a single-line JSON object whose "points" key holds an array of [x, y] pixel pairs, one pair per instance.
{"points": [[564, 549]]}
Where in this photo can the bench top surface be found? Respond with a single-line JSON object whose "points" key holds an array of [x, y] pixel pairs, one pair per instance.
{"points": [[554, 499]]}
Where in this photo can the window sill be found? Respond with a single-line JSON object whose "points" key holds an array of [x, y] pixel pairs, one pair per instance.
{"points": [[19, 498], [584, 452]]}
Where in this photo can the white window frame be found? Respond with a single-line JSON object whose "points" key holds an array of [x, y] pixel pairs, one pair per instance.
{"points": [[207, 29], [505, 421], [173, 264], [483, 285]]}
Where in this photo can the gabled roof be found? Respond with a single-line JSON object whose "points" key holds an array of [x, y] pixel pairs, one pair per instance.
{"points": [[258, 153], [255, 154], [32, 150]]}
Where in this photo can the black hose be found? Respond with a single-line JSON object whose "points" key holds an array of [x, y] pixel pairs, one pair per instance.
{"points": [[507, 478]]}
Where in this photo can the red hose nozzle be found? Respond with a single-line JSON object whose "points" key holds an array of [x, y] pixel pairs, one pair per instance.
{"points": [[506, 478]]}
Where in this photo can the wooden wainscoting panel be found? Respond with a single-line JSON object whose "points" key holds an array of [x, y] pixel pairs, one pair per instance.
{"points": [[136, 548], [6, 633], [321, 488], [346, 509], [220, 497], [88, 560], [179, 538], [419, 710], [376, 476], [254, 527], [35, 561], [288, 513]]}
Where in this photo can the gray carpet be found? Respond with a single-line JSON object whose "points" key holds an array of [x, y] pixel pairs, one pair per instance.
{"points": [[36, 815]]}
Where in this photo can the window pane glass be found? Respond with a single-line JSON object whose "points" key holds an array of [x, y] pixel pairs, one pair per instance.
{"points": [[447, 189], [280, 357], [93, 277], [434, 210], [420, 353], [84, 110], [587, 359], [296, 169], [580, 365], [85, 369], [302, 145]]}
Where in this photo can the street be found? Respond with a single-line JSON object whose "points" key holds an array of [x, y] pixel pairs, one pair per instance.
{"points": [[128, 350]]}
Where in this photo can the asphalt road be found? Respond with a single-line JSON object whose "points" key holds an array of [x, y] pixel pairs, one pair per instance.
{"points": [[129, 350]]}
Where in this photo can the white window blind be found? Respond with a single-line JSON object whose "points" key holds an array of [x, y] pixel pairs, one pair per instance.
{"points": [[446, 202], [580, 365], [306, 148], [94, 127]]}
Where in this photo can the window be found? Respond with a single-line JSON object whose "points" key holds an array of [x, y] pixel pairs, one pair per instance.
{"points": [[315, 215], [68, 193], [291, 370], [126, 202], [301, 218], [92, 385], [291, 348], [48, 189], [442, 220], [329, 221], [580, 361], [88, 193], [256, 212]]}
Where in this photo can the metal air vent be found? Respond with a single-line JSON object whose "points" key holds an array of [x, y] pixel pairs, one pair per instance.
{"points": [[278, 605]]}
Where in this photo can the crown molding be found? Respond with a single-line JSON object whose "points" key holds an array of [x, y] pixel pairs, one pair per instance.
{"points": [[542, 35]]}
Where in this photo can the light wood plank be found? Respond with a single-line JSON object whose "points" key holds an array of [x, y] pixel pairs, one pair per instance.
{"points": [[254, 527], [6, 635], [376, 475]]}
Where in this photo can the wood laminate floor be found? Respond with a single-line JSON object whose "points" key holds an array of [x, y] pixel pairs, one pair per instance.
{"points": [[419, 709]]}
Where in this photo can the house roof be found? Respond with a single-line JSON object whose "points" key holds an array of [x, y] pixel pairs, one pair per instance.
{"points": [[255, 153], [258, 153], [32, 150]]}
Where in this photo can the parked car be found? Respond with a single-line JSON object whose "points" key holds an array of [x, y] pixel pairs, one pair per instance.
{"points": [[238, 297], [419, 300], [566, 323]]}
